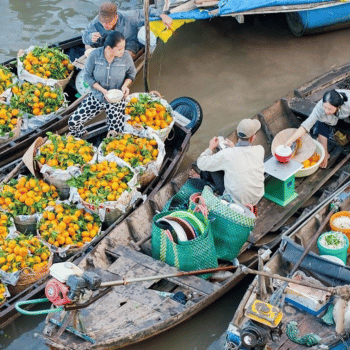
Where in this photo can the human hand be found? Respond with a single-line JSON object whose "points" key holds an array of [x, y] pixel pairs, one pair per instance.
{"points": [[105, 95], [229, 143], [95, 36], [167, 21], [126, 91], [213, 143]]}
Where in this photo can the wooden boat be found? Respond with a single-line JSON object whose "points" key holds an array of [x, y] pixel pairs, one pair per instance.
{"points": [[132, 313], [282, 262], [74, 48], [176, 148]]}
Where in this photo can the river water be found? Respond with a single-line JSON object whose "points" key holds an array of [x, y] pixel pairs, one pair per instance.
{"points": [[233, 70]]}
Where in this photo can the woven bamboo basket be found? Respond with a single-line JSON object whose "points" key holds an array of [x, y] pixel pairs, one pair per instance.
{"points": [[28, 158], [16, 132], [64, 82], [29, 276]]}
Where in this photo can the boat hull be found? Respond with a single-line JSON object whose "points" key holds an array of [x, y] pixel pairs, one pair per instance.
{"points": [[319, 20]]}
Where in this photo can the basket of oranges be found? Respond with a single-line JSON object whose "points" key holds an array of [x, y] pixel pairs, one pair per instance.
{"points": [[67, 228], [144, 154], [37, 100], [10, 123], [7, 78], [106, 189], [312, 164], [23, 261], [7, 225], [147, 112], [4, 293], [48, 66], [24, 198], [62, 157]]}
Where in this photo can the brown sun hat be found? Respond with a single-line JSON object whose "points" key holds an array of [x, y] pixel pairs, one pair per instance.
{"points": [[107, 12], [303, 152]]}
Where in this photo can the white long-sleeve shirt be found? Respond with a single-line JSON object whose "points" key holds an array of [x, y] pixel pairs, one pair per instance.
{"points": [[318, 114], [244, 171]]}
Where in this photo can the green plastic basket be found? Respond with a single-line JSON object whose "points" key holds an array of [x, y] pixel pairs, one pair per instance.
{"points": [[195, 254], [230, 228]]}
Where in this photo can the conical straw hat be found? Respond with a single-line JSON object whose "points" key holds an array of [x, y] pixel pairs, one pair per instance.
{"points": [[306, 149], [28, 157]]}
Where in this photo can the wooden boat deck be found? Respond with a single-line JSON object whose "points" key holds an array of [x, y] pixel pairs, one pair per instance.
{"points": [[306, 322]]}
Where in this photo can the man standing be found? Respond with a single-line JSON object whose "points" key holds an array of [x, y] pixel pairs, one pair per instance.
{"points": [[128, 23], [239, 167]]}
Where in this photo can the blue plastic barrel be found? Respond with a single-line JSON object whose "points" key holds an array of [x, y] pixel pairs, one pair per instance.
{"points": [[319, 20]]}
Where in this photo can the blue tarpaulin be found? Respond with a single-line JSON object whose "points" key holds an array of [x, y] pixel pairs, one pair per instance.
{"points": [[230, 6]]}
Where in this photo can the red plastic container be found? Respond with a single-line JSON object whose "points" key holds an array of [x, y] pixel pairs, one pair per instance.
{"points": [[283, 154]]}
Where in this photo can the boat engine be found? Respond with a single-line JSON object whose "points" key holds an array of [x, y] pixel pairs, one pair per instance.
{"points": [[264, 324], [69, 283]]}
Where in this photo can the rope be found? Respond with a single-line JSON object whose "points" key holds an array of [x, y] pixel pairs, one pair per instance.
{"points": [[35, 313], [293, 334]]}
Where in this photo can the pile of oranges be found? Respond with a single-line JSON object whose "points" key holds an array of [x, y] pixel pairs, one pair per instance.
{"points": [[5, 224], [144, 111], [36, 99], [23, 252], [27, 196], [67, 225], [8, 119], [102, 182], [311, 161], [136, 151], [61, 152], [6, 78], [47, 63], [2, 293]]}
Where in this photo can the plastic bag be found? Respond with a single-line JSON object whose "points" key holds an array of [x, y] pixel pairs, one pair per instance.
{"points": [[147, 172]]}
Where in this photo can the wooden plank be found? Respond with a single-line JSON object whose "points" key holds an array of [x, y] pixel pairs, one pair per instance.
{"points": [[269, 135], [121, 266], [142, 295], [301, 106], [118, 317], [159, 267], [335, 75]]}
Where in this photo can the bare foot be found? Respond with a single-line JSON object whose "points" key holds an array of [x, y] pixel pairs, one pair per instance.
{"points": [[324, 164], [193, 175]]}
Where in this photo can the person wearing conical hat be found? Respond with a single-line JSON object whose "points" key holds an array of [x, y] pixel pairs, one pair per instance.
{"points": [[128, 23], [237, 170], [334, 106]]}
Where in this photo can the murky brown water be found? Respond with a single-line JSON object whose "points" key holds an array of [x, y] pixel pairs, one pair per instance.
{"points": [[232, 70]]}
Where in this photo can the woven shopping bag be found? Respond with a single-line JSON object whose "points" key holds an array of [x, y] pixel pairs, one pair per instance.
{"points": [[196, 254], [230, 228]]}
